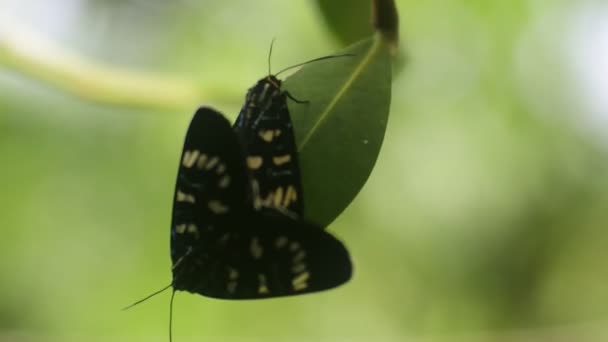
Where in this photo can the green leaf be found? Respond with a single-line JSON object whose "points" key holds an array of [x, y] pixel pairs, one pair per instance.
{"points": [[340, 131]]}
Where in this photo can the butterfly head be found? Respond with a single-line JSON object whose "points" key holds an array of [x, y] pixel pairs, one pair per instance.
{"points": [[265, 93]]}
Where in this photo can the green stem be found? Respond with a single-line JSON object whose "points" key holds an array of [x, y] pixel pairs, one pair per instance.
{"points": [[37, 58]]}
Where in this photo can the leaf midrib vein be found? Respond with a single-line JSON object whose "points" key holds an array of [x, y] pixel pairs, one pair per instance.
{"points": [[342, 91]]}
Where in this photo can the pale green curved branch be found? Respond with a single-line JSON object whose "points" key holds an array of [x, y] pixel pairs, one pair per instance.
{"points": [[44, 61]]}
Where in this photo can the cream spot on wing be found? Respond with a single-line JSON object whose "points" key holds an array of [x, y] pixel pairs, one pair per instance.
{"points": [[224, 182], [184, 197], [180, 228], [262, 284], [221, 169], [255, 189], [231, 286], [256, 249], [212, 162], [193, 229], [190, 158], [267, 135], [298, 268], [299, 257], [291, 195], [300, 282], [281, 242], [280, 160], [254, 162], [278, 196], [294, 246], [202, 160], [255, 186], [257, 202], [233, 274], [217, 207]]}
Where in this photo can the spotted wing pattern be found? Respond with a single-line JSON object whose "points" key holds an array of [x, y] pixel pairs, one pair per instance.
{"points": [[211, 185], [274, 256], [224, 247], [266, 132]]}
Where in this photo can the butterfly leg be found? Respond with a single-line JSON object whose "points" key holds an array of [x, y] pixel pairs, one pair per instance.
{"points": [[294, 99]]}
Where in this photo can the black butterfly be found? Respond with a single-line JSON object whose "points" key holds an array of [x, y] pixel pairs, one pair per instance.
{"points": [[236, 230], [266, 132], [224, 247]]}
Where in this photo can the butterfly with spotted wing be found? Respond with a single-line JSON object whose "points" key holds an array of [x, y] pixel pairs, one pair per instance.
{"points": [[224, 247], [268, 139], [236, 230]]}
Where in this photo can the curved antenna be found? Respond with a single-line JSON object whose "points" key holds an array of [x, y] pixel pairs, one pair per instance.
{"points": [[269, 55], [171, 317], [313, 60], [148, 297]]}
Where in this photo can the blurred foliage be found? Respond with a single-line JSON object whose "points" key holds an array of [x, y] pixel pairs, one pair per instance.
{"points": [[345, 18], [483, 220]]}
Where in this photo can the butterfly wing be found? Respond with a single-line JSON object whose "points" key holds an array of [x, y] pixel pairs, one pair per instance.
{"points": [[266, 132], [224, 247], [272, 255], [211, 189]]}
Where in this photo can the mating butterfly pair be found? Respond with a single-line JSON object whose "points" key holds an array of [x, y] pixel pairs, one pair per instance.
{"points": [[237, 230]]}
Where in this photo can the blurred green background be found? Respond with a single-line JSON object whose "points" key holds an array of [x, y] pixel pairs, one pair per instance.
{"points": [[484, 220]]}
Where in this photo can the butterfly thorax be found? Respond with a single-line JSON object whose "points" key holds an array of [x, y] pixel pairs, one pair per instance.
{"points": [[261, 99]]}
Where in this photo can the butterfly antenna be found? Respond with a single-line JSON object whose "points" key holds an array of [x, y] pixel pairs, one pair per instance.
{"points": [[171, 317], [270, 55], [314, 60], [148, 297]]}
